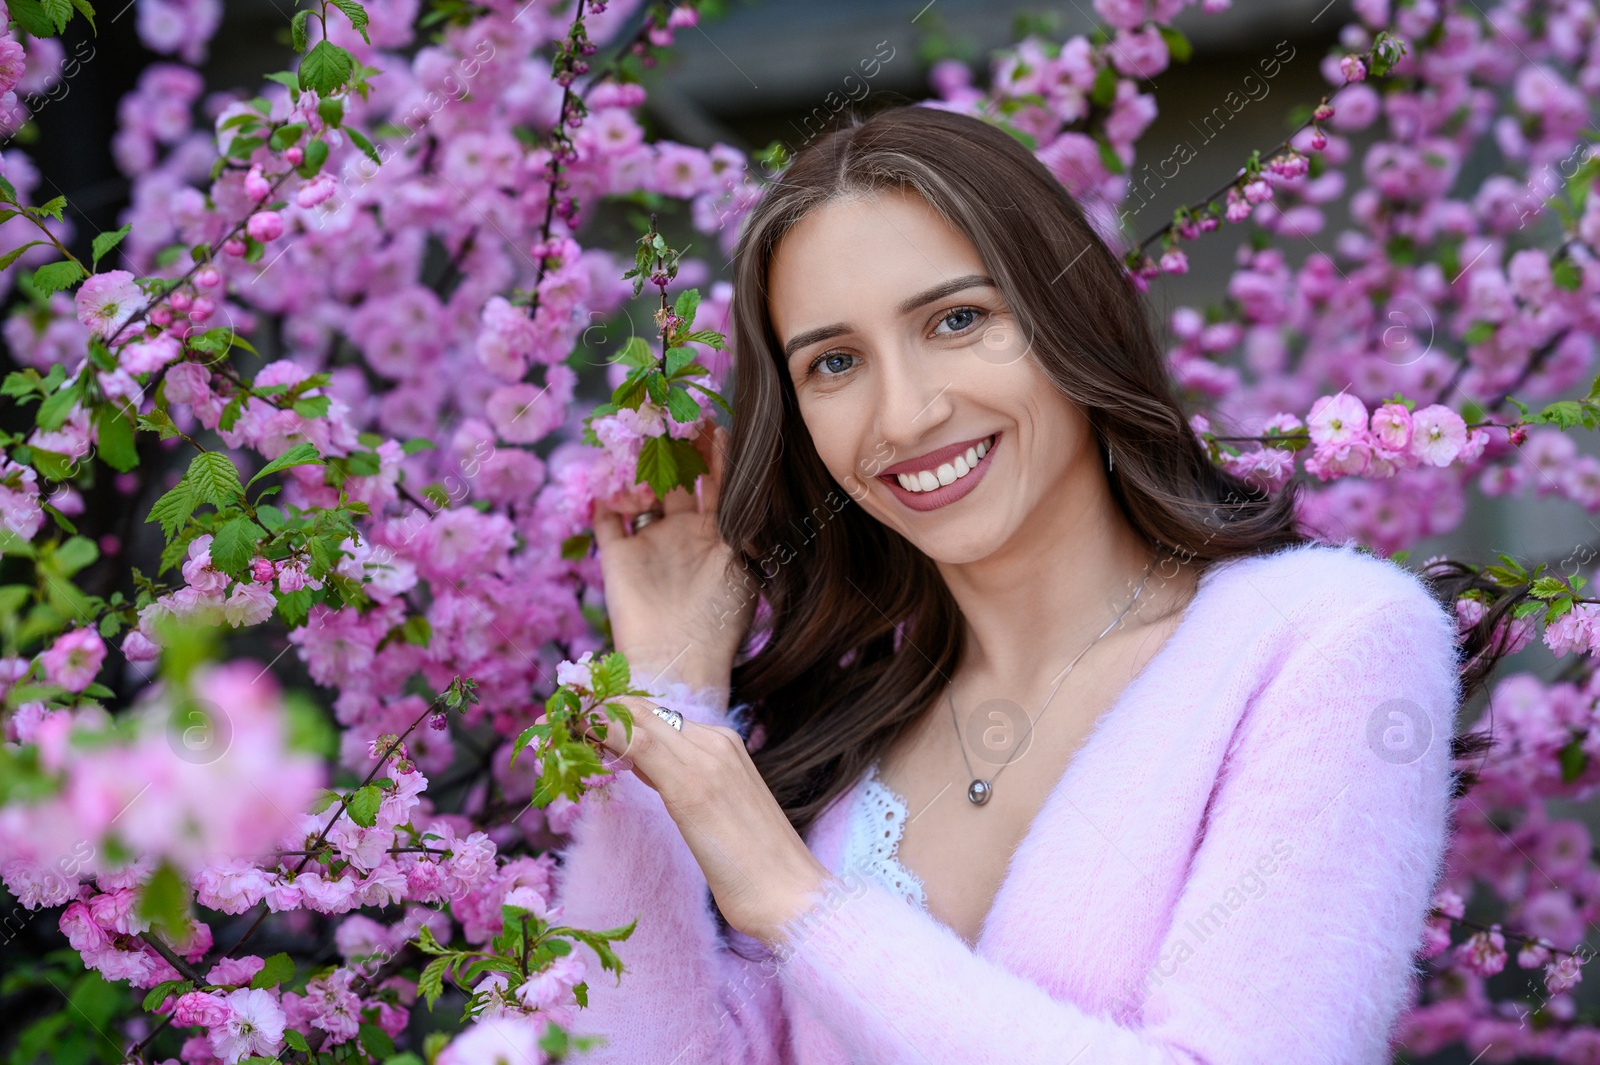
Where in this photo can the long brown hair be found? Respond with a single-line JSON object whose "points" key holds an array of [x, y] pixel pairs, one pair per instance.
{"points": [[858, 629]]}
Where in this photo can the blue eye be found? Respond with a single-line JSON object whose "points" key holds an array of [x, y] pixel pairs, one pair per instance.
{"points": [[957, 313], [825, 357], [971, 313]]}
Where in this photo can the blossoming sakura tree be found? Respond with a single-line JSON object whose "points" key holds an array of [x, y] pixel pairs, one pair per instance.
{"points": [[323, 383]]}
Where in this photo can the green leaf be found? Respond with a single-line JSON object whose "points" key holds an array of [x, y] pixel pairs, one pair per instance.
{"points": [[285, 136], [331, 112], [74, 555], [53, 412], [325, 68], [114, 433], [234, 545], [57, 276], [358, 21], [363, 808], [416, 444], [1574, 760], [164, 900], [297, 30], [59, 12], [665, 463], [1177, 44], [529, 734], [165, 990], [106, 241], [50, 208], [677, 359], [1479, 332], [681, 405], [215, 479], [374, 1040], [1109, 157], [302, 454], [296, 1041], [174, 508], [1105, 87], [30, 15], [312, 407], [365, 145], [430, 985], [635, 353], [576, 548], [316, 155], [11, 256], [277, 970], [1566, 275], [686, 305]]}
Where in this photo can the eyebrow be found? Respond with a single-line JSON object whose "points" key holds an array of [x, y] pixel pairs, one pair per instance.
{"points": [[921, 299]]}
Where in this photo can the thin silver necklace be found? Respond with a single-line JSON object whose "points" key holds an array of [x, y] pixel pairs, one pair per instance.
{"points": [[980, 789]]}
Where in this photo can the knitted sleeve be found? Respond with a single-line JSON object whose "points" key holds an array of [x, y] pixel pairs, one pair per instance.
{"points": [[683, 996], [1335, 792]]}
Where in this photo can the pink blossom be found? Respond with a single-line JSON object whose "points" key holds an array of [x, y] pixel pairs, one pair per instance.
{"points": [[249, 604], [552, 986], [1337, 419], [265, 226], [108, 301], [147, 356], [1439, 434], [1563, 974], [254, 1026], [1483, 953], [256, 186], [318, 190], [232, 887], [74, 659], [202, 1008]]}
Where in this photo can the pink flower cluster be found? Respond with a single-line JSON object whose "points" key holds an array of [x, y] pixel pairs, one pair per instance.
{"points": [[202, 778]]}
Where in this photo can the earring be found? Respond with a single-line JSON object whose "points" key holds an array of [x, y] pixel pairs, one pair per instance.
{"points": [[1111, 459]]}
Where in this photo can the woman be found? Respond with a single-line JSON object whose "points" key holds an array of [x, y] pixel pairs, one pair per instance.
{"points": [[1071, 746]]}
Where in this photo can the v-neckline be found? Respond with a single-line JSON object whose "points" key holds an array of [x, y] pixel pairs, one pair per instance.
{"points": [[1107, 718]]}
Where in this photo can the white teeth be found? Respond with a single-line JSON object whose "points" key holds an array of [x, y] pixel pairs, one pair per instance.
{"points": [[946, 473]]}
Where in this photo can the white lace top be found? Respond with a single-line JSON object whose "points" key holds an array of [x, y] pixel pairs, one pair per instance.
{"points": [[877, 821]]}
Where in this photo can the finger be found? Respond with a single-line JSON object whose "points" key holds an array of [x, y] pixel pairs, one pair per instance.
{"points": [[608, 525], [677, 501], [714, 446], [646, 730]]}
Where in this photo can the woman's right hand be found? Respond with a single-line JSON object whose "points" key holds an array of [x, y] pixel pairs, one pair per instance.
{"points": [[679, 607]]}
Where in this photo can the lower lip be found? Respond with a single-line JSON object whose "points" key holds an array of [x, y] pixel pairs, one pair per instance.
{"points": [[945, 494]]}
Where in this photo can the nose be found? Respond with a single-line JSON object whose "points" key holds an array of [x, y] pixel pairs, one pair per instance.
{"points": [[913, 400]]}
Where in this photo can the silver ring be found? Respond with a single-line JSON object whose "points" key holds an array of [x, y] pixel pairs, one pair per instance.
{"points": [[671, 717], [641, 520]]}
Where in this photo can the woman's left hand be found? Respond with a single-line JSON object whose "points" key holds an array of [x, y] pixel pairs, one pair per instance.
{"points": [[760, 871]]}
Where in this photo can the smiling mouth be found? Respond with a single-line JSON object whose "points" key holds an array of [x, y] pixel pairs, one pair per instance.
{"points": [[946, 473]]}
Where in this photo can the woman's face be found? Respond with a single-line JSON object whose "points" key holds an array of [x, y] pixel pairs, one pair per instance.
{"points": [[906, 362]]}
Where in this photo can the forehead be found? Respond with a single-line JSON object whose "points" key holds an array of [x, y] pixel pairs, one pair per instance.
{"points": [[864, 252]]}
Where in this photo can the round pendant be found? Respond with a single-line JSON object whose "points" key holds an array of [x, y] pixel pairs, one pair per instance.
{"points": [[978, 792]]}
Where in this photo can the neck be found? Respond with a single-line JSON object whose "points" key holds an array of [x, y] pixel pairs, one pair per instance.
{"points": [[1032, 605]]}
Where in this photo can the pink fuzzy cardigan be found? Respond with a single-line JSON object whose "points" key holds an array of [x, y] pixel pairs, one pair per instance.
{"points": [[1236, 867]]}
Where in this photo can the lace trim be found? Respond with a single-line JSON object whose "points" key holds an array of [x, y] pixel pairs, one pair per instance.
{"points": [[876, 824]]}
